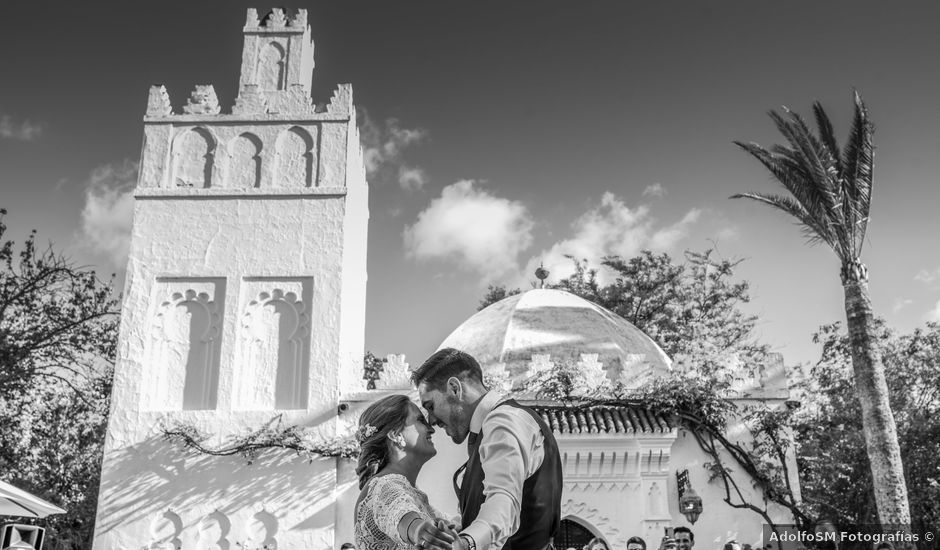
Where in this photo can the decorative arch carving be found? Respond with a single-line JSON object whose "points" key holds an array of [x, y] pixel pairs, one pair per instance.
{"points": [[656, 500], [264, 529], [165, 531], [590, 518], [214, 530], [193, 158], [275, 329], [294, 155], [183, 371], [271, 67], [245, 165]]}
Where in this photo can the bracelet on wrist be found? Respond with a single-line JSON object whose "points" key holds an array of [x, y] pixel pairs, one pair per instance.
{"points": [[471, 544], [411, 538]]}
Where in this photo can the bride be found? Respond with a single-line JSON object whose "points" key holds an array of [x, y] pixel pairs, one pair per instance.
{"points": [[391, 513]]}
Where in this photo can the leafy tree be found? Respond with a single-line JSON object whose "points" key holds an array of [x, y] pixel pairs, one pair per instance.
{"points": [[52, 441], [58, 331], [833, 463], [829, 195], [56, 319], [495, 293]]}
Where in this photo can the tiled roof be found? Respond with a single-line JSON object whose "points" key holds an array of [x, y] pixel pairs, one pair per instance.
{"points": [[623, 419]]}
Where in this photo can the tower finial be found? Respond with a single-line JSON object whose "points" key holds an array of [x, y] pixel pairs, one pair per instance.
{"points": [[541, 274]]}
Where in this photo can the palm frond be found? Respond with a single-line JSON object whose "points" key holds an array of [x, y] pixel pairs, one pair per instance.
{"points": [[786, 166], [827, 135], [858, 162], [806, 149], [810, 225], [825, 175], [831, 190], [829, 183], [803, 184]]}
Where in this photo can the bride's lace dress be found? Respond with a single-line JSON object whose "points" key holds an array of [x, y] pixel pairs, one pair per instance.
{"points": [[388, 498]]}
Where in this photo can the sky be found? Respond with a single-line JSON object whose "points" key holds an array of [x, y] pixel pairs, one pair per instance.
{"points": [[584, 128]]}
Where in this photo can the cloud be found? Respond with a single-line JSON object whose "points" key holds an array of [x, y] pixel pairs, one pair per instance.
{"points": [[928, 277], [383, 147], [727, 233], [655, 190], [900, 303], [934, 314], [607, 229], [472, 227], [411, 179], [109, 210], [22, 131]]}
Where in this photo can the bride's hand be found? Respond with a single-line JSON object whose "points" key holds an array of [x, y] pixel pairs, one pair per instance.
{"points": [[429, 536], [451, 529]]}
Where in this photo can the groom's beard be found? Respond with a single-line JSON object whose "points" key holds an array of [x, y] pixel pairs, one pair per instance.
{"points": [[458, 425]]}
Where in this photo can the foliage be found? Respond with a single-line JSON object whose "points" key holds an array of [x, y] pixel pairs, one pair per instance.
{"points": [[273, 435], [701, 405], [372, 368], [276, 435], [56, 319], [837, 480], [829, 189], [565, 381], [51, 444], [495, 293], [58, 332]]}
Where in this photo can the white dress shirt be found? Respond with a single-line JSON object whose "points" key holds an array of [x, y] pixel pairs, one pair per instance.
{"points": [[511, 450]]}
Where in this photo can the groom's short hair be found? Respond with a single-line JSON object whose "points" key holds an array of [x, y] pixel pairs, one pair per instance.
{"points": [[444, 364]]}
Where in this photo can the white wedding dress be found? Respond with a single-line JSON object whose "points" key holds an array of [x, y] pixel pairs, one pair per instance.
{"points": [[387, 499]]}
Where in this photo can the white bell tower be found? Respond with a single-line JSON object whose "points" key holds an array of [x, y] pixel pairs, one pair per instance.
{"points": [[244, 300]]}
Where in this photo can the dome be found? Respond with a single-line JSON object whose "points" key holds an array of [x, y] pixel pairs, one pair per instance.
{"points": [[508, 334]]}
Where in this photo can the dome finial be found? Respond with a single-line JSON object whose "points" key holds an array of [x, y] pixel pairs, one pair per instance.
{"points": [[541, 274]]}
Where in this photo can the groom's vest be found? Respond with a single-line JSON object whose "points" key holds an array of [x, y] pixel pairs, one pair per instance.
{"points": [[540, 515]]}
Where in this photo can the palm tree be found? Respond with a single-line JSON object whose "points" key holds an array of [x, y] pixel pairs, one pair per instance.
{"points": [[830, 197]]}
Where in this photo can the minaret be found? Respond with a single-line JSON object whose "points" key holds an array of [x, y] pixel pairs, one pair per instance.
{"points": [[244, 301]]}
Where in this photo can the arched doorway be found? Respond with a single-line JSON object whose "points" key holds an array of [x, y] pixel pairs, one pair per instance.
{"points": [[572, 534]]}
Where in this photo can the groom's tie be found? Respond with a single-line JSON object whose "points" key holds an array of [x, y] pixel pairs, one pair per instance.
{"points": [[472, 441]]}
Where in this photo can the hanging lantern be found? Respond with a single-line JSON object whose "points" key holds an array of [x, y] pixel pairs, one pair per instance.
{"points": [[690, 504]]}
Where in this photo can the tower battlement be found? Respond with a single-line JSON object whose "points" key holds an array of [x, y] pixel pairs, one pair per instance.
{"points": [[274, 81], [274, 138]]}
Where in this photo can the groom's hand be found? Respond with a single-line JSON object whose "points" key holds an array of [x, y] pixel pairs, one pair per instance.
{"points": [[430, 536]]}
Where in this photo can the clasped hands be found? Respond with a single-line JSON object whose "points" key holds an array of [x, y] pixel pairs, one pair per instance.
{"points": [[438, 535]]}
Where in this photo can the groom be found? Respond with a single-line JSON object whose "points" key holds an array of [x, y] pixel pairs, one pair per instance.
{"points": [[510, 494]]}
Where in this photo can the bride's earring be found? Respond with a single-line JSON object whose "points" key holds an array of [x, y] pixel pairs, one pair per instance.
{"points": [[397, 439]]}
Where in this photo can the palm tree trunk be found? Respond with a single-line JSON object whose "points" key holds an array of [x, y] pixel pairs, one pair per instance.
{"points": [[881, 436]]}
